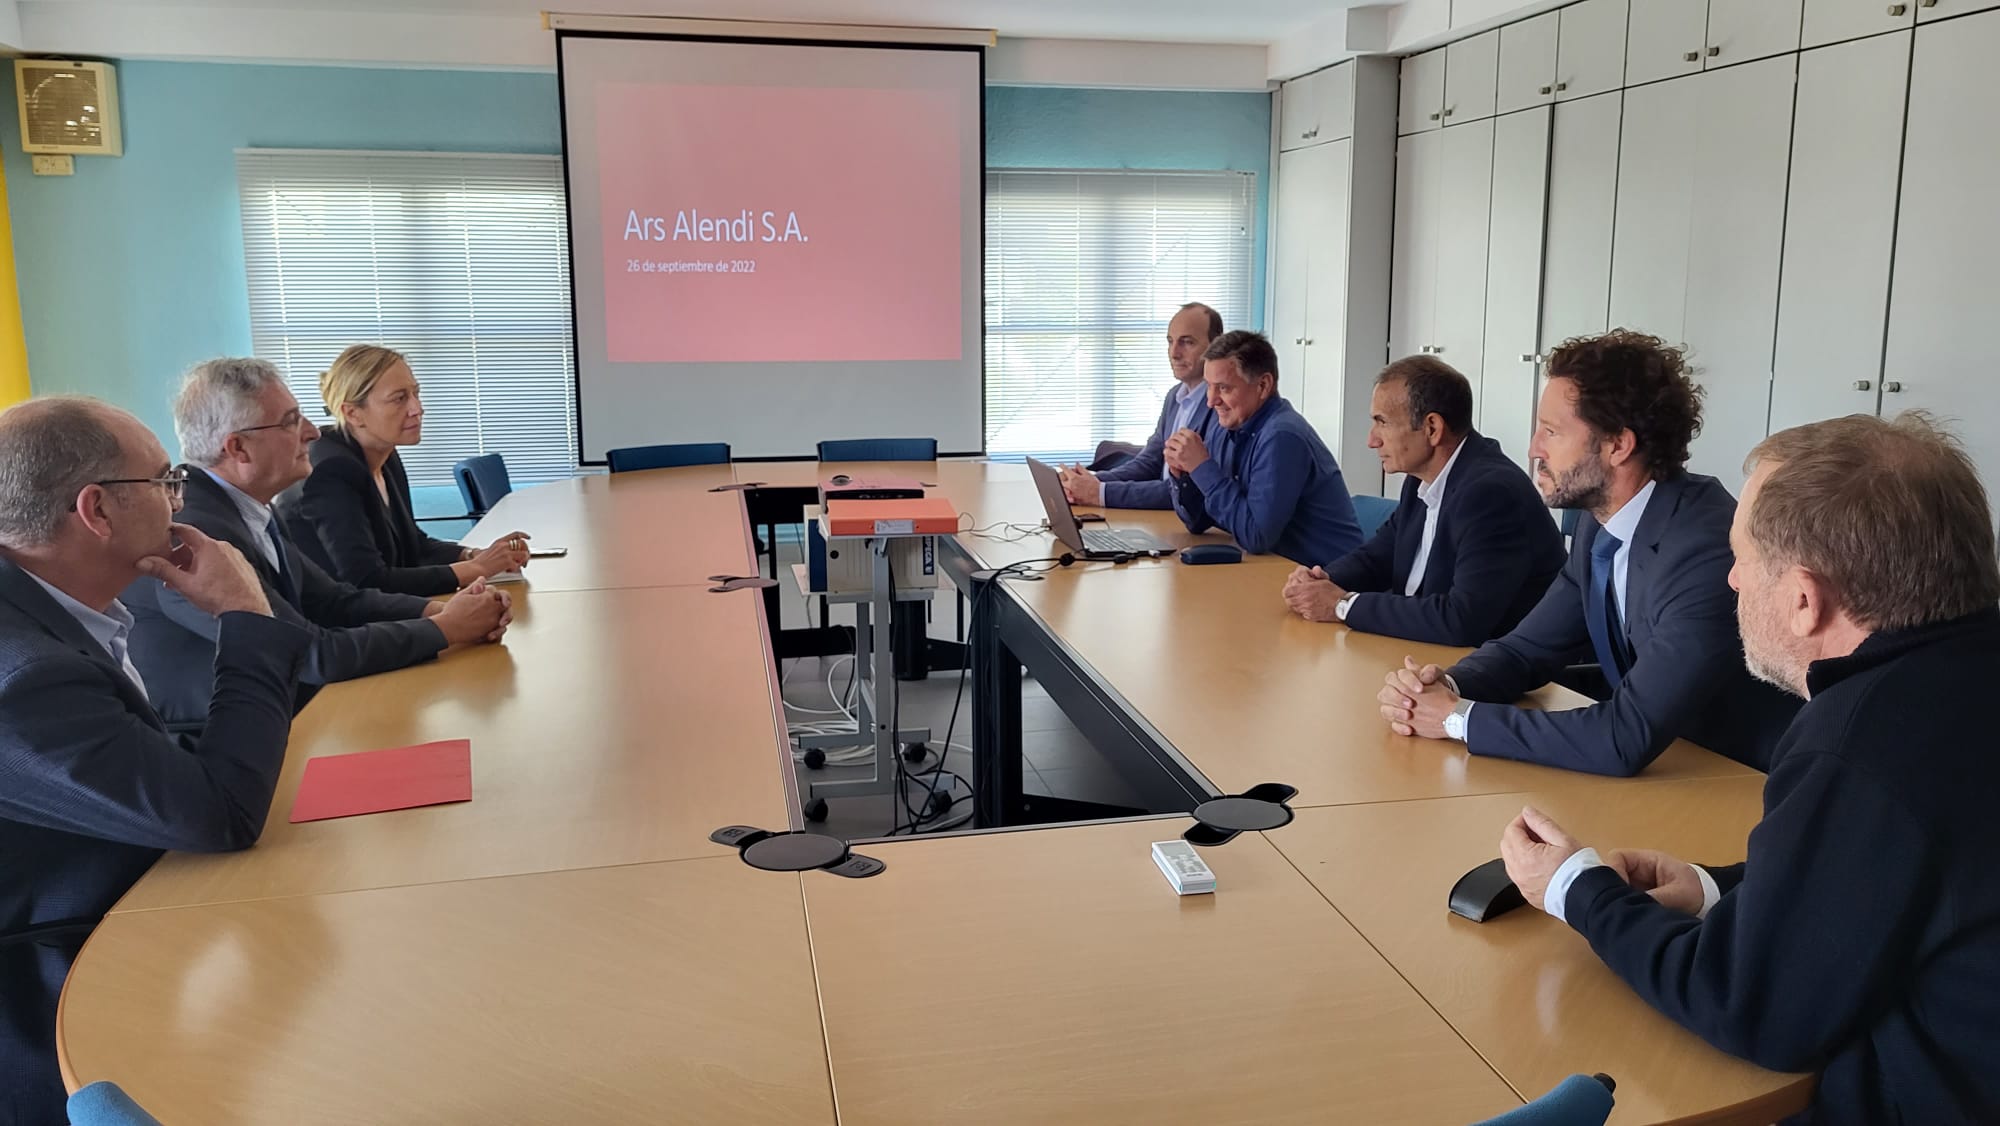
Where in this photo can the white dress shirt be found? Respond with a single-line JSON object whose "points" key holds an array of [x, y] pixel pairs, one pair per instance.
{"points": [[1624, 524], [111, 629], [257, 516], [1583, 860]]}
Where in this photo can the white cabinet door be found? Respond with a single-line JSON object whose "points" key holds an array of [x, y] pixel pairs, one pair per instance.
{"points": [[1840, 226], [1928, 10], [1298, 111], [1665, 39], [1413, 285], [1334, 96], [1291, 248], [1471, 71], [1735, 249], [1583, 197], [1506, 389], [1323, 171], [1656, 168], [1832, 21], [1947, 239], [1527, 63], [1742, 30], [1420, 97], [1465, 201], [1590, 49]]}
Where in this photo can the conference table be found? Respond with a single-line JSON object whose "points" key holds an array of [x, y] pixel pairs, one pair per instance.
{"points": [[571, 946]]}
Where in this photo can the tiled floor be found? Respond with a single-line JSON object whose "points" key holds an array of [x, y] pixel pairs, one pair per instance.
{"points": [[1060, 761]]}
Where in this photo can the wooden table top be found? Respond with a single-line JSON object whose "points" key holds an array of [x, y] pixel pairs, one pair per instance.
{"points": [[570, 947], [676, 992], [1054, 977], [1283, 686], [1524, 990], [611, 727]]}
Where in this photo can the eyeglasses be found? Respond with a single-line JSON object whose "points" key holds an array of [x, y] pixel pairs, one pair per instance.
{"points": [[175, 482], [292, 421]]}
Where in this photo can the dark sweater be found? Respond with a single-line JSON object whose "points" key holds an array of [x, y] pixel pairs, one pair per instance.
{"points": [[343, 523], [1862, 935]]}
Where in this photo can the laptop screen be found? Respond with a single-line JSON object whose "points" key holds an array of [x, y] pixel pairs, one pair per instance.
{"points": [[1062, 521]]}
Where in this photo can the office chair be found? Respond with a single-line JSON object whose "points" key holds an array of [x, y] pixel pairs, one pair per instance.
{"points": [[667, 457], [878, 449], [1580, 1100], [104, 1104], [1372, 512], [1111, 455], [1566, 518], [482, 481]]}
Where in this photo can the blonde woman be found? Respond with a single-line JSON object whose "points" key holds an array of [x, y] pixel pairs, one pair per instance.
{"points": [[355, 507]]}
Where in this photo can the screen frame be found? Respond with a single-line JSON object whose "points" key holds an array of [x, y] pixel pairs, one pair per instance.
{"points": [[569, 217]]}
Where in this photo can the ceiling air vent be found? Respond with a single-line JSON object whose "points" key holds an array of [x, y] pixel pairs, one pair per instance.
{"points": [[68, 107]]}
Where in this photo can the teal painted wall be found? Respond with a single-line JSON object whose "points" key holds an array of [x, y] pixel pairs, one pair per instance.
{"points": [[132, 269]]}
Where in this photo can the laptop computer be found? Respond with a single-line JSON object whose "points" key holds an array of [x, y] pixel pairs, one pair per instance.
{"points": [[1097, 543]]}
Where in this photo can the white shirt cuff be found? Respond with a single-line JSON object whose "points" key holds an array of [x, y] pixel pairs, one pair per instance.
{"points": [[1580, 862], [1710, 894], [1340, 608]]}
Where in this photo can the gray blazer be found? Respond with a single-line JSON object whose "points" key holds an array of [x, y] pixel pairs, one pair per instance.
{"points": [[354, 632]]}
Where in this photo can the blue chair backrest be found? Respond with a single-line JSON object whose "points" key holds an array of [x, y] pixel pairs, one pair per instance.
{"points": [[1372, 512], [104, 1104], [1567, 518], [878, 449], [1580, 1100], [482, 481], [668, 457]]}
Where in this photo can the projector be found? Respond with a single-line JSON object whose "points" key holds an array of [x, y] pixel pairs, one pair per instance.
{"points": [[841, 486]]}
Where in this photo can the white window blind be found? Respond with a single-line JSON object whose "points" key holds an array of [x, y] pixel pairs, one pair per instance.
{"points": [[460, 262], [1083, 272]]}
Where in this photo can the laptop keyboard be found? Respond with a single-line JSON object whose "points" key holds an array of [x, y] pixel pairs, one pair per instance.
{"points": [[1113, 542]]}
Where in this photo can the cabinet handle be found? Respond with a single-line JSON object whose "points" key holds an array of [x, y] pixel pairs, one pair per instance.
{"points": [[1926, 3], [1714, 51], [1309, 341], [1899, 9], [1531, 358], [1298, 340], [1545, 90], [1892, 386], [1561, 86], [1434, 117], [1449, 112], [1437, 349], [1691, 56], [1862, 385]]}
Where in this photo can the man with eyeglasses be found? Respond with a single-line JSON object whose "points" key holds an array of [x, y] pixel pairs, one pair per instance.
{"points": [[241, 429], [92, 785]]}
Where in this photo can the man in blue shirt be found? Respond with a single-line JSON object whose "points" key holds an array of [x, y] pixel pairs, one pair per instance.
{"points": [[1143, 482], [1270, 482]]}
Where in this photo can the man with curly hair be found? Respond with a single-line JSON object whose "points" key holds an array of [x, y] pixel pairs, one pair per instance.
{"points": [[1645, 594]]}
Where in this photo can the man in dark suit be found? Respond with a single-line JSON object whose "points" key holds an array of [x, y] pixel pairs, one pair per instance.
{"points": [[1645, 592], [1142, 482], [92, 787], [1471, 548], [1861, 937], [242, 429]]}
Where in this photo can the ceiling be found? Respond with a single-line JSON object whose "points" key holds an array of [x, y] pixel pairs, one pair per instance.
{"points": [[1174, 21]]}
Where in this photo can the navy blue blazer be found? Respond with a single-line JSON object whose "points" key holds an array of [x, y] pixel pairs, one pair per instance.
{"points": [[354, 632], [1141, 481], [1687, 678], [343, 523], [1493, 556], [92, 788]]}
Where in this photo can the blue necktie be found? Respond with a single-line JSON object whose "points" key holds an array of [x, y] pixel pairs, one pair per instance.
{"points": [[1607, 633], [284, 561]]}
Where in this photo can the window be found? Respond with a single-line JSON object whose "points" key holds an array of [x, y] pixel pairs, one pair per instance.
{"points": [[1083, 271], [461, 262]]}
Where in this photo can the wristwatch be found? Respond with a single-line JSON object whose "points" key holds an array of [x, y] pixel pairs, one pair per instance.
{"points": [[1454, 724], [1345, 604]]}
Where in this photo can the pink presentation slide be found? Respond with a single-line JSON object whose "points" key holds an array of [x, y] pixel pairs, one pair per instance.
{"points": [[776, 224]]}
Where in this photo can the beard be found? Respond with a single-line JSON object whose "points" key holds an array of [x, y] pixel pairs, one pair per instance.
{"points": [[1581, 486], [1765, 652]]}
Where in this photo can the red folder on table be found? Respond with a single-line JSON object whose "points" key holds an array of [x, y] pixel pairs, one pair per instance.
{"points": [[377, 781]]}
